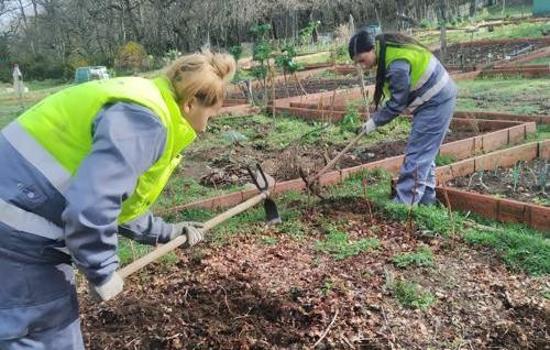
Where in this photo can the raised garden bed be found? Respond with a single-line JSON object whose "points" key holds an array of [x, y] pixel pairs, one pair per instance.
{"points": [[285, 163], [310, 85], [526, 182], [333, 276], [510, 135], [539, 119], [525, 72], [485, 52], [503, 209]]}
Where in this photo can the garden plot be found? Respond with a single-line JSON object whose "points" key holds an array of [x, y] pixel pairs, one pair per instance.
{"points": [[513, 95], [292, 87], [478, 53], [333, 275], [223, 164], [526, 183]]}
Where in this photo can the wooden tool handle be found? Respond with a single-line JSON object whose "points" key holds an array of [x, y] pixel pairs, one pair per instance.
{"points": [[337, 158], [178, 241]]}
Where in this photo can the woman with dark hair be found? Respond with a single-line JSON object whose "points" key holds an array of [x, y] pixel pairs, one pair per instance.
{"points": [[412, 78]]}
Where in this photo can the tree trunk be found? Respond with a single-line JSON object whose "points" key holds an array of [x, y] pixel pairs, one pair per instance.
{"points": [[443, 30]]}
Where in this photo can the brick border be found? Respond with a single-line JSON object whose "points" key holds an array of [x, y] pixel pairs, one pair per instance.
{"points": [[526, 72], [501, 209], [539, 119]]}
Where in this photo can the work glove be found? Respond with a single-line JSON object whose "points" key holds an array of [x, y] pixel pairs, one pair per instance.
{"points": [[368, 127], [108, 289], [192, 229]]}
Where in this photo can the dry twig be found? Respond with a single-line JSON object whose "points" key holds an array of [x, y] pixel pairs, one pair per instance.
{"points": [[326, 330]]}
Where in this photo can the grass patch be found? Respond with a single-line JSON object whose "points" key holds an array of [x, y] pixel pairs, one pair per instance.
{"points": [[338, 245], [411, 295], [129, 251], [434, 219], [327, 287], [511, 94], [423, 257], [292, 227], [510, 31], [442, 160], [521, 248], [269, 240], [540, 60]]}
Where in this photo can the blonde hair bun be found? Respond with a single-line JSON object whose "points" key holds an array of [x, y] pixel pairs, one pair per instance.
{"points": [[202, 75], [224, 65]]}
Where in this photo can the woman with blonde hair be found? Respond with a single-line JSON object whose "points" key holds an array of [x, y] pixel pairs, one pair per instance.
{"points": [[81, 166]]}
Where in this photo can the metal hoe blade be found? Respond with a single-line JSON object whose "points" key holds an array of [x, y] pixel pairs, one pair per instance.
{"points": [[260, 181]]}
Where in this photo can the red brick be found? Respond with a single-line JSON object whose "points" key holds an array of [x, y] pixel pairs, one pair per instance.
{"points": [[540, 217], [544, 149], [494, 125], [462, 168], [330, 178], [530, 128], [291, 185], [478, 144], [443, 174], [459, 149], [227, 200], [346, 172], [516, 134], [467, 201], [512, 211], [495, 140]]}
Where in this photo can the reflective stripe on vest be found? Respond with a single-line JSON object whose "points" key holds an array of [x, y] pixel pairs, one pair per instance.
{"points": [[55, 135], [434, 90], [28, 222], [426, 75], [35, 154]]}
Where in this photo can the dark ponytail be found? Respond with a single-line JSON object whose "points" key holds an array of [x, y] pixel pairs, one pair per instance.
{"points": [[380, 71]]}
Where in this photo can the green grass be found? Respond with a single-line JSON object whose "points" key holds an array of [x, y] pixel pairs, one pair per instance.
{"points": [[129, 251], [542, 133], [423, 257], [340, 247], [431, 219], [411, 295], [521, 248], [511, 95], [284, 132], [321, 57], [511, 31], [182, 189], [442, 160], [269, 240], [11, 107], [540, 60]]}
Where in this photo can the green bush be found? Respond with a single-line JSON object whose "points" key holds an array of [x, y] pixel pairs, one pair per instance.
{"points": [[131, 56]]}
